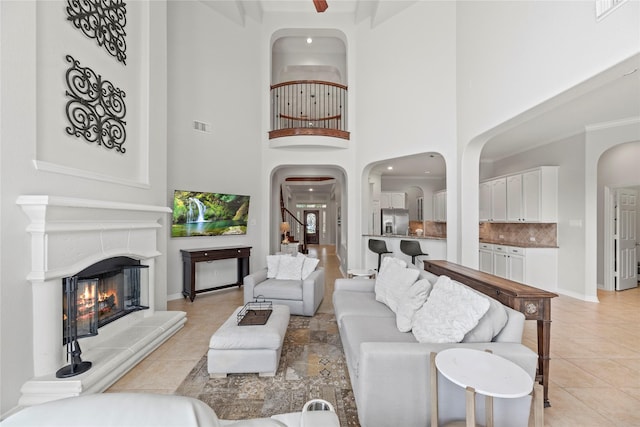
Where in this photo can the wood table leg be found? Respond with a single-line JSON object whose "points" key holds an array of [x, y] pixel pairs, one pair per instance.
{"points": [[471, 407], [544, 339]]}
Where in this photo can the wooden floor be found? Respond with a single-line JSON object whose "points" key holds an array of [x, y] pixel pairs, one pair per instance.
{"points": [[595, 351]]}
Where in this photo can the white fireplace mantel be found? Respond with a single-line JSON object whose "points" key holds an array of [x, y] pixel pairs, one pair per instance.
{"points": [[68, 235]]}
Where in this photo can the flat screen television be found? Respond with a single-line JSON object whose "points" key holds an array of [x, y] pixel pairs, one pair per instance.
{"points": [[208, 214]]}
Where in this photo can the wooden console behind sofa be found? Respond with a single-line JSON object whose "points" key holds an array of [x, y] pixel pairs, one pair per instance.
{"points": [[534, 303]]}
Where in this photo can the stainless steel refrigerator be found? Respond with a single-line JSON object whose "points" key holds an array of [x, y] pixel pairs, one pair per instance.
{"points": [[394, 221]]}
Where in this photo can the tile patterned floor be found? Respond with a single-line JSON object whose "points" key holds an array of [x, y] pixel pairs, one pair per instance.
{"points": [[595, 352]]}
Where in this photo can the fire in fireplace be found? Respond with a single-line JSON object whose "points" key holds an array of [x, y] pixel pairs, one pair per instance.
{"points": [[102, 293]]}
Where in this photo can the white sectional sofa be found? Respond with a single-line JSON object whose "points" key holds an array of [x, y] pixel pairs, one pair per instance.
{"points": [[152, 410], [389, 369]]}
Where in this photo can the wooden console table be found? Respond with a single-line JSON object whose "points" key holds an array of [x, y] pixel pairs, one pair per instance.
{"points": [[191, 257], [534, 303]]}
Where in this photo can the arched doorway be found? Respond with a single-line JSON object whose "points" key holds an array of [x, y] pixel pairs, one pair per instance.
{"points": [[311, 188]]}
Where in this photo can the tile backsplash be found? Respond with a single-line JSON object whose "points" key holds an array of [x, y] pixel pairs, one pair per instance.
{"points": [[544, 234], [430, 228]]}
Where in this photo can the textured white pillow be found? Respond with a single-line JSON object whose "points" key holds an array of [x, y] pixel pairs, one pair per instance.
{"points": [[394, 281], [272, 265], [290, 268], [410, 303], [308, 266], [451, 311], [490, 324]]}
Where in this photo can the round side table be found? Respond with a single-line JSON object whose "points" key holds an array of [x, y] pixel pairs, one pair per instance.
{"points": [[485, 373]]}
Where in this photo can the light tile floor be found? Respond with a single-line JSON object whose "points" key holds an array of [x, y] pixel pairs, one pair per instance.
{"points": [[595, 351]]}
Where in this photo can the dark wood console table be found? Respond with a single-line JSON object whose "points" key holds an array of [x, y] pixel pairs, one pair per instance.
{"points": [[534, 303], [191, 257]]}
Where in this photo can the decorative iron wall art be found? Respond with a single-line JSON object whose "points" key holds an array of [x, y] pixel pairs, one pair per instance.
{"points": [[102, 20], [96, 108]]}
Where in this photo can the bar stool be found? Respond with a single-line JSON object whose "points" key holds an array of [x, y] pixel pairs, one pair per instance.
{"points": [[379, 247], [411, 248]]}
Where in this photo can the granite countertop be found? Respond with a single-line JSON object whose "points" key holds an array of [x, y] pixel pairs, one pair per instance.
{"points": [[402, 236], [517, 244]]}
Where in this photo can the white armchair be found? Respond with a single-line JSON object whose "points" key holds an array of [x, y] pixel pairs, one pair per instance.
{"points": [[303, 296]]}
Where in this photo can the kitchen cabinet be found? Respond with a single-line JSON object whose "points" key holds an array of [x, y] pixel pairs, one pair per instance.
{"points": [[393, 200], [440, 206], [532, 266], [493, 200], [509, 262], [530, 196], [486, 258]]}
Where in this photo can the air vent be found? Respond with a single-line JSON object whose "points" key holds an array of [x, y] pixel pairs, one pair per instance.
{"points": [[201, 126]]}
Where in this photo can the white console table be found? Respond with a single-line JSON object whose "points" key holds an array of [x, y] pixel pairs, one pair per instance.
{"points": [[289, 248]]}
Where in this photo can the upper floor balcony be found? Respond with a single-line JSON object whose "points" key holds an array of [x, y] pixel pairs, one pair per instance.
{"points": [[309, 107]]}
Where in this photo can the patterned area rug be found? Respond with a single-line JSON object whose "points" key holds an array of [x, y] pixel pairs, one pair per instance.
{"points": [[312, 365]]}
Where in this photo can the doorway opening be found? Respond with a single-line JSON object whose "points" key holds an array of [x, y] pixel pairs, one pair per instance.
{"points": [[621, 238]]}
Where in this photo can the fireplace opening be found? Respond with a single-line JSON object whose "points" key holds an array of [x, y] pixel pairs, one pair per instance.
{"points": [[100, 294]]}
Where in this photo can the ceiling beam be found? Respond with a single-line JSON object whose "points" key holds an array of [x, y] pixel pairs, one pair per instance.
{"points": [[321, 5]]}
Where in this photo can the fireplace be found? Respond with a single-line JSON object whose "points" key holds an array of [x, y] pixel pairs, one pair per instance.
{"points": [[100, 245], [101, 294]]}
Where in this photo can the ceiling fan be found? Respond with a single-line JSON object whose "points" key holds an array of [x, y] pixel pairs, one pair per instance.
{"points": [[321, 5]]}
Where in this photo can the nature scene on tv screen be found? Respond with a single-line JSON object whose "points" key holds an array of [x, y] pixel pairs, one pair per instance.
{"points": [[209, 214]]}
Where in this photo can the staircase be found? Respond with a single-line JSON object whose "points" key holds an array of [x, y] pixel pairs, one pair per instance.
{"points": [[287, 216]]}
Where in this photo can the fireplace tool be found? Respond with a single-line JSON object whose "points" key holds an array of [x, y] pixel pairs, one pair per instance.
{"points": [[77, 366]]}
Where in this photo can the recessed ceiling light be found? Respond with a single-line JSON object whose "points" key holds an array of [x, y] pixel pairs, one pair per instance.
{"points": [[311, 189], [309, 40], [390, 168], [427, 171]]}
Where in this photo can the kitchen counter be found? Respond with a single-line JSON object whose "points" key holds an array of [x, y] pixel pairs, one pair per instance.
{"points": [[517, 244], [402, 236]]}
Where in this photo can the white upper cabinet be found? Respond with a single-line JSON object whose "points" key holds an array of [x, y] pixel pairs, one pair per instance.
{"points": [[493, 200], [514, 198], [393, 200], [440, 206], [529, 196]]}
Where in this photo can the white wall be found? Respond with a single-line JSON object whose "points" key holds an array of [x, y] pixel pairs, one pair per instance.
{"points": [[214, 81], [32, 52], [405, 82]]}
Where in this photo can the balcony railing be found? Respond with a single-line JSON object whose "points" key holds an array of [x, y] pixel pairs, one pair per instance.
{"points": [[309, 107]]}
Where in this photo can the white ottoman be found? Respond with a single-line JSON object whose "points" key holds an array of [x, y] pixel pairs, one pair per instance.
{"points": [[237, 349]]}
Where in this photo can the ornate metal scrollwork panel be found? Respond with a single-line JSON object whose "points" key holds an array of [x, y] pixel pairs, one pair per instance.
{"points": [[102, 20], [96, 108]]}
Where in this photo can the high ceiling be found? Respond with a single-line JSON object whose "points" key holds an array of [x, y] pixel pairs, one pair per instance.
{"points": [[610, 96]]}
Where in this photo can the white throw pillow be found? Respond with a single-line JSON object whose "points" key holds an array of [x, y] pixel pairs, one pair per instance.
{"points": [[410, 303], [308, 266], [451, 310], [273, 261], [394, 281], [490, 324], [290, 268]]}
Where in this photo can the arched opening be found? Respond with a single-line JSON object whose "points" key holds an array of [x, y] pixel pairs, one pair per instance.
{"points": [[310, 189], [618, 217], [415, 184], [308, 83]]}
